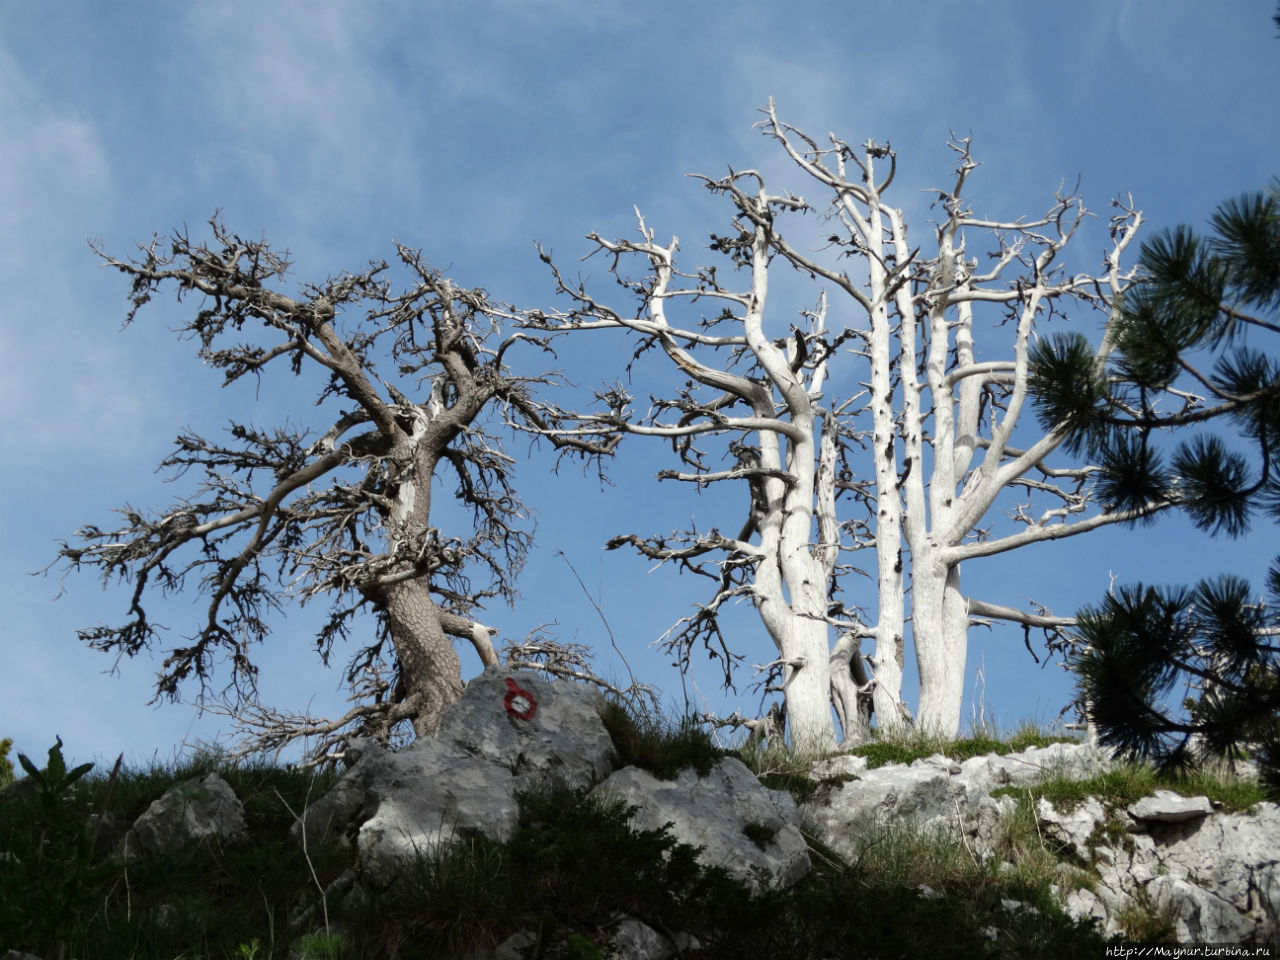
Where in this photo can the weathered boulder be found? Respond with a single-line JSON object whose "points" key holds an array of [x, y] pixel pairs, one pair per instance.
{"points": [[934, 793], [1168, 807], [741, 825], [924, 794], [429, 794], [510, 732], [202, 810], [532, 726], [1074, 761]]}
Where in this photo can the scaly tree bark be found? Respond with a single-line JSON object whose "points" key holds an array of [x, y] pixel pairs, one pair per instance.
{"points": [[894, 409], [285, 514]]}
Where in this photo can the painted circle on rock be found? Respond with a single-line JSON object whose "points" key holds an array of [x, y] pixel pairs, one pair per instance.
{"points": [[519, 702]]}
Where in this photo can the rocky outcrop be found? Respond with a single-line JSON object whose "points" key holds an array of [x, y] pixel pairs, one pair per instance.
{"points": [[748, 830], [202, 810], [1073, 829], [510, 732], [1216, 875], [935, 793], [514, 731]]}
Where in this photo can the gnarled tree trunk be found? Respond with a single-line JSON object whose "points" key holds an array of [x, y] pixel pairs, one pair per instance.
{"points": [[430, 667]]}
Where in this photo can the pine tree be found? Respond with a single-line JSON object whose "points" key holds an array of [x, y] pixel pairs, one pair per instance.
{"points": [[1185, 361]]}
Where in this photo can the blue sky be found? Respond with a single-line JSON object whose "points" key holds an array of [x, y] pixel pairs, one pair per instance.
{"points": [[471, 131]]}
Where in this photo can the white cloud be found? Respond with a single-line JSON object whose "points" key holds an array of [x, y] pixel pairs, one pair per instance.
{"points": [[57, 179], [53, 162], [299, 111]]}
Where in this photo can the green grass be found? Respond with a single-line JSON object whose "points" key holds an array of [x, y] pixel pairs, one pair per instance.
{"points": [[571, 869], [781, 769], [1127, 783], [912, 745], [657, 744], [206, 901]]}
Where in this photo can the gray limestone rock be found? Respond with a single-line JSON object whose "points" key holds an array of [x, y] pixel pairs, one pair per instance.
{"points": [[1169, 807], [432, 793], [925, 795], [511, 731], [1084, 904], [1076, 761], [936, 793], [528, 724], [1234, 858], [984, 827], [1074, 828], [633, 940], [1199, 916], [202, 810], [844, 765], [741, 825], [1217, 874]]}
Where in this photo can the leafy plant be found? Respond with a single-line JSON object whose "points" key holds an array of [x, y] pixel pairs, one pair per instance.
{"points": [[48, 877]]}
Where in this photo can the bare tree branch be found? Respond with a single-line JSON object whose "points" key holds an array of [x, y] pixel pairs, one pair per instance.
{"points": [[291, 514]]}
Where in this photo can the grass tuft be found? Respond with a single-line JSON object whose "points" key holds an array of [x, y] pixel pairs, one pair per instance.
{"points": [[907, 746], [658, 745], [1124, 784]]}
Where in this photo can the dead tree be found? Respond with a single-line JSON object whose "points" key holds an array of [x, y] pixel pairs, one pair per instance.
{"points": [[342, 511], [881, 420]]}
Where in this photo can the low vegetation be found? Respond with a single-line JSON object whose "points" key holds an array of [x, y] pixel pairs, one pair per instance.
{"points": [[574, 867], [6, 765], [1127, 783], [912, 745], [657, 744]]}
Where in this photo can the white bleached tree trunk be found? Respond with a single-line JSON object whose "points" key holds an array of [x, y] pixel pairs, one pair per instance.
{"points": [[788, 450], [879, 421], [943, 456]]}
